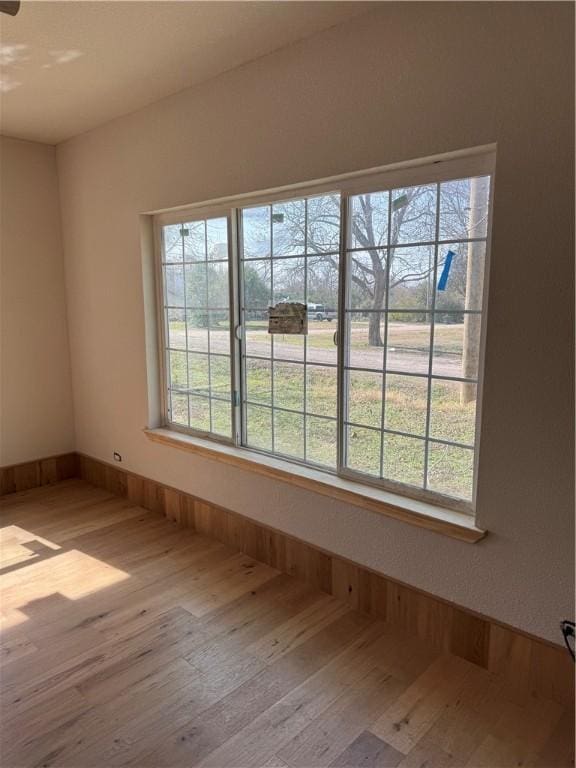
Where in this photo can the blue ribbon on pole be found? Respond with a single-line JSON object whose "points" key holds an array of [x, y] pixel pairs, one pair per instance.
{"points": [[445, 271]]}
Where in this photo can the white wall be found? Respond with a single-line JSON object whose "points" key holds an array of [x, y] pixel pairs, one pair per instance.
{"points": [[406, 81], [36, 417]]}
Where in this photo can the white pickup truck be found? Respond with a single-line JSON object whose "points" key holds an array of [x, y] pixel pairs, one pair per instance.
{"points": [[320, 312]]}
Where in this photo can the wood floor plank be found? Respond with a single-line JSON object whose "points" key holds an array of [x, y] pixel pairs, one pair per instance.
{"points": [[558, 751], [50, 748], [344, 721], [413, 714], [368, 751], [155, 707], [129, 641], [245, 577], [287, 717], [467, 717], [38, 734], [136, 717], [15, 648], [275, 762], [297, 629], [495, 752], [176, 629], [202, 736], [429, 756], [529, 724], [392, 663]]}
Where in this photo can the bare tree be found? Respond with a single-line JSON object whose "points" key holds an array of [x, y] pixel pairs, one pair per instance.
{"points": [[380, 264], [411, 220]]}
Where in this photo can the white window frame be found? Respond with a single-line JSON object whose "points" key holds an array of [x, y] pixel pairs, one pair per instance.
{"points": [[198, 214], [457, 165]]}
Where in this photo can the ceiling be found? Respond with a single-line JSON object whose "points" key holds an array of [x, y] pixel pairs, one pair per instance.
{"points": [[66, 67]]}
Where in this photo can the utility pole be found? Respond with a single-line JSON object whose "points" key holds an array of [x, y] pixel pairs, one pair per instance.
{"points": [[479, 193]]}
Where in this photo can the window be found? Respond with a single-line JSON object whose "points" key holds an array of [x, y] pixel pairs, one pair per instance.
{"points": [[289, 251], [196, 299], [415, 261], [384, 387]]}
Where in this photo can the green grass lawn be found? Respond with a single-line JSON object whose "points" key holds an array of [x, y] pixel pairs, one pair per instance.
{"points": [[314, 437]]}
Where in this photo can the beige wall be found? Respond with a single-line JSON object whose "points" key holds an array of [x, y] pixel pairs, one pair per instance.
{"points": [[406, 81], [35, 385]]}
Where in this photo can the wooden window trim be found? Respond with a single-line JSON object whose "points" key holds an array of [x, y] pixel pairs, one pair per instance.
{"points": [[456, 525]]}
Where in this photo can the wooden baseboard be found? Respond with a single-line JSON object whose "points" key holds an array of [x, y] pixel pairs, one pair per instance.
{"points": [[532, 666], [33, 474]]}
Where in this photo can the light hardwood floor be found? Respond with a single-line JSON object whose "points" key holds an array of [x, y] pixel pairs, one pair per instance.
{"points": [[127, 640]]}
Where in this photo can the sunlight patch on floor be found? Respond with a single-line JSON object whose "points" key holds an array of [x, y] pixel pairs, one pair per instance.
{"points": [[47, 571]]}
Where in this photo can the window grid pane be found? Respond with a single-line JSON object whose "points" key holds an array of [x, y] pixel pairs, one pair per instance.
{"points": [[195, 297], [413, 300], [289, 251]]}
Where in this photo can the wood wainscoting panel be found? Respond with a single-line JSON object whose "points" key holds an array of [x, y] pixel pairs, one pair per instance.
{"points": [[529, 663], [33, 474]]}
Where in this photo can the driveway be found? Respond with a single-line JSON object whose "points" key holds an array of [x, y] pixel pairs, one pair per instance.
{"points": [[410, 355]]}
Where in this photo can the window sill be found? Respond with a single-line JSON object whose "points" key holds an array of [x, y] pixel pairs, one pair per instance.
{"points": [[454, 524]]}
